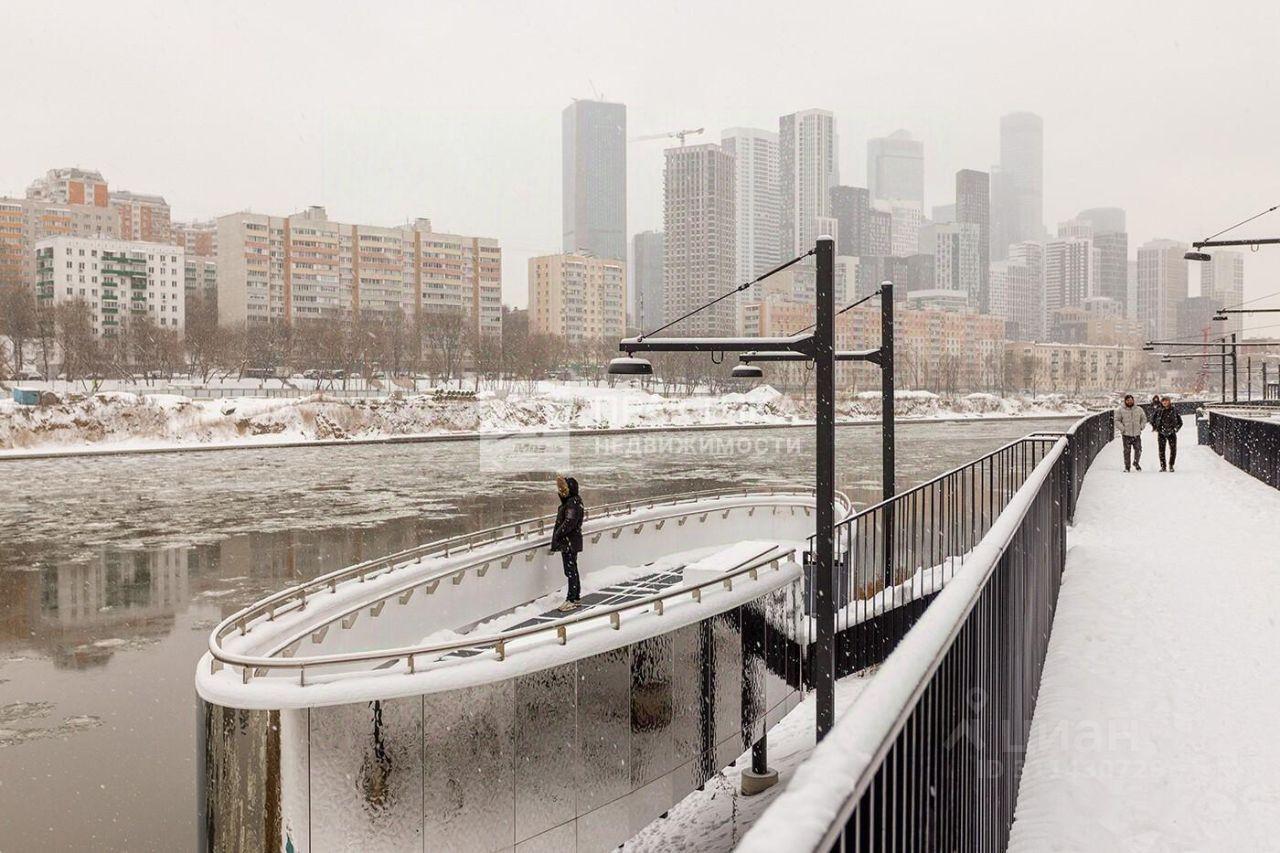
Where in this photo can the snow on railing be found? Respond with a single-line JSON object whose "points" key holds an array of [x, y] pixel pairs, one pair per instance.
{"points": [[930, 754], [280, 655], [1249, 438], [295, 597]]}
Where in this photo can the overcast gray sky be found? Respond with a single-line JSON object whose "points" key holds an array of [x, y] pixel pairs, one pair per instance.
{"points": [[451, 110]]}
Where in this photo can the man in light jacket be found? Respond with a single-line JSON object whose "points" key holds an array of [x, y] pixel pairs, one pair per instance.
{"points": [[1130, 419]]}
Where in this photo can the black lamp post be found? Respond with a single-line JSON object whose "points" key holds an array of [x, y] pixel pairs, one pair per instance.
{"points": [[817, 346]]}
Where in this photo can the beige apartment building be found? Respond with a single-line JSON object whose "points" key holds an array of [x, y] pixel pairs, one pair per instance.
{"points": [[73, 202], [1075, 368], [307, 266], [934, 349], [577, 297]]}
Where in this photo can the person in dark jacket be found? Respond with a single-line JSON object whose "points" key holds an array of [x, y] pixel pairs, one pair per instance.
{"points": [[566, 536], [1155, 407], [1166, 423]]}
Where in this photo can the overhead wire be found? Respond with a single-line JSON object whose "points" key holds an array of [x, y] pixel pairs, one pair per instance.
{"points": [[729, 293]]}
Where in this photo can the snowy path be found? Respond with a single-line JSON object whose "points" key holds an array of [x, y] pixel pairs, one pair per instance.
{"points": [[1157, 727]]}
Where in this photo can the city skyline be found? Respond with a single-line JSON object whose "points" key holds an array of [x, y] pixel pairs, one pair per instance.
{"points": [[456, 157]]}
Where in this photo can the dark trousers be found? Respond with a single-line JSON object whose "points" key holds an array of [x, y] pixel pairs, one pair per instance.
{"points": [[1172, 442], [1133, 442], [570, 559]]}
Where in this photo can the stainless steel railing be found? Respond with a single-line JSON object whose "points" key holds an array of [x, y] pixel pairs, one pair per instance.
{"points": [[251, 665], [295, 597], [404, 592]]}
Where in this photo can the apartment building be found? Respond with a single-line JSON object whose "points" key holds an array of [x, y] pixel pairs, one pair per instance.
{"points": [[935, 349], [142, 217], [116, 279], [200, 279], [577, 297], [1074, 368], [70, 185], [309, 267], [73, 202], [200, 239]]}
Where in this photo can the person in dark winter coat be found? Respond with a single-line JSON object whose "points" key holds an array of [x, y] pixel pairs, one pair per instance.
{"points": [[1155, 407], [1166, 423], [566, 536]]}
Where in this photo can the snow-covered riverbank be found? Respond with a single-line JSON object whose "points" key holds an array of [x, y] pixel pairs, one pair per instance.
{"points": [[129, 421]]}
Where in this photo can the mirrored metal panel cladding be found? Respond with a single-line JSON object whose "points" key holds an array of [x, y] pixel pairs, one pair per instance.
{"points": [[469, 768], [366, 776], [545, 749], [577, 756], [240, 782]]}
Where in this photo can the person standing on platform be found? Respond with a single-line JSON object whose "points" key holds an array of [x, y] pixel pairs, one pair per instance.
{"points": [[566, 537]]}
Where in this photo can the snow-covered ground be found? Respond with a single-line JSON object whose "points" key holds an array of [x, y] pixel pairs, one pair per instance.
{"points": [[714, 819], [1156, 723], [133, 421]]}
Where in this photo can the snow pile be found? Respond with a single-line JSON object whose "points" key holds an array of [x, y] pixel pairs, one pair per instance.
{"points": [[131, 420], [1155, 726], [926, 404]]}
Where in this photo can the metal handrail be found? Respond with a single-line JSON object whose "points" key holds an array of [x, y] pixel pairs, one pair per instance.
{"points": [[295, 597], [456, 572], [255, 664], [869, 509]]}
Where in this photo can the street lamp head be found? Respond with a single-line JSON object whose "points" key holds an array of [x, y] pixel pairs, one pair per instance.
{"points": [[746, 371], [1219, 317], [1148, 348], [629, 365], [1197, 256]]}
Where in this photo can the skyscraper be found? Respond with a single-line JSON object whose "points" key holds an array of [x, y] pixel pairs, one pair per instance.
{"points": [[1024, 291], [1104, 220], [700, 231], [807, 170], [956, 259], [1222, 279], [973, 205], [646, 254], [1162, 287], [904, 228], [1069, 265], [1018, 183], [1107, 225], [851, 209], [755, 159], [880, 234], [895, 168], [594, 205]]}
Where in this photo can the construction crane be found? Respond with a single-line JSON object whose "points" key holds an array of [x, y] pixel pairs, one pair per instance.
{"points": [[678, 134]]}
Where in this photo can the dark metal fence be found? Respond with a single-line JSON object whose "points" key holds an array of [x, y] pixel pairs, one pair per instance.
{"points": [[1252, 444], [935, 763], [933, 526]]}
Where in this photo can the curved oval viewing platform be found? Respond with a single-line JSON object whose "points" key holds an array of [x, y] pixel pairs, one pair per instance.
{"points": [[438, 695]]}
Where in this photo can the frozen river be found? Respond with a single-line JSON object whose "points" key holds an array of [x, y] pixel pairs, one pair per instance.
{"points": [[114, 569]]}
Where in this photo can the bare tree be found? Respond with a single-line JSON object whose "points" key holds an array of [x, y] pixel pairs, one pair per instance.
{"points": [[78, 343], [206, 343], [17, 319], [445, 335]]}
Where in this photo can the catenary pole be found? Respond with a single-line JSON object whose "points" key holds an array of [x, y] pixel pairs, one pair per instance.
{"points": [[824, 540]]}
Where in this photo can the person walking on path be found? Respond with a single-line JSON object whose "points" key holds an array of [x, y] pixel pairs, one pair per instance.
{"points": [[1130, 419], [1155, 407], [566, 537], [1167, 422]]}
